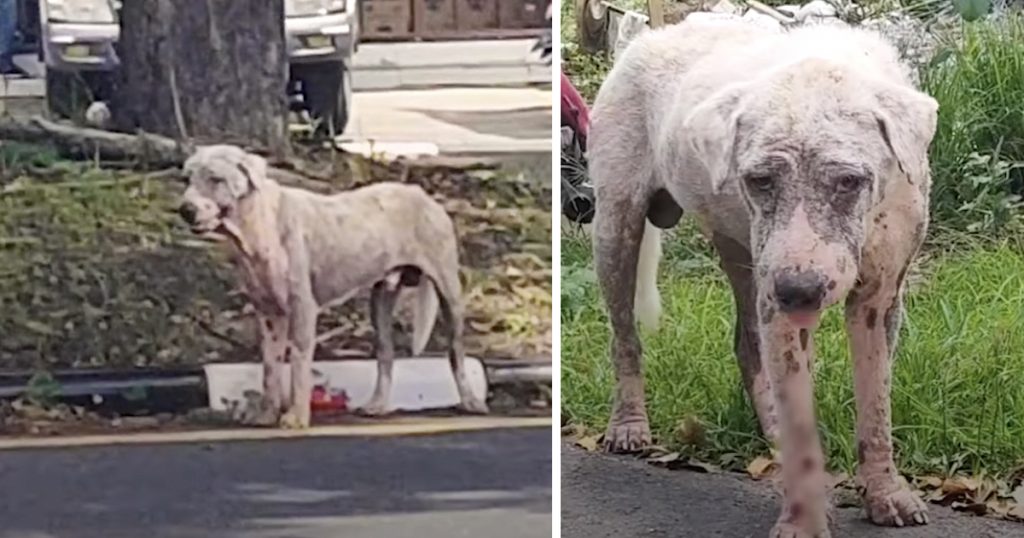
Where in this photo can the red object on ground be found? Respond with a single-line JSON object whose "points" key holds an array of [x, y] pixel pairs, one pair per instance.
{"points": [[324, 400], [574, 111]]}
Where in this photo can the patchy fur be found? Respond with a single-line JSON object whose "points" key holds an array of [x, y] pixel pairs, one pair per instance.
{"points": [[803, 154], [301, 252]]}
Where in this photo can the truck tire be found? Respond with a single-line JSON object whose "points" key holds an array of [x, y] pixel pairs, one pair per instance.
{"points": [[67, 95], [327, 92]]}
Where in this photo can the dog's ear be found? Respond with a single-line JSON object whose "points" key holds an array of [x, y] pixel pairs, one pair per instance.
{"points": [[906, 120], [254, 168], [712, 131]]}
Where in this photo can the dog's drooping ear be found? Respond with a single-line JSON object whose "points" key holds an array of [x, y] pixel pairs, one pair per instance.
{"points": [[254, 168], [712, 131], [909, 136]]}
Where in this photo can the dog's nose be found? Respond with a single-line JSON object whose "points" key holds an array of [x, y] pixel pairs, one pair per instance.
{"points": [[188, 212], [799, 291]]}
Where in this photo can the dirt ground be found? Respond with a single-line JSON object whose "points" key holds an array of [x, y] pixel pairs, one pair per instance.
{"points": [[99, 271]]}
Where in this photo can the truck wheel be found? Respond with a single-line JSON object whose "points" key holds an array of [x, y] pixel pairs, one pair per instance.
{"points": [[67, 95], [327, 91]]}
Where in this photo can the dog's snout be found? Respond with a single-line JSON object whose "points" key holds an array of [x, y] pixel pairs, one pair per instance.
{"points": [[188, 211], [800, 291]]}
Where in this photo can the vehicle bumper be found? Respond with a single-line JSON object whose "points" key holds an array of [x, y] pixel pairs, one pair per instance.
{"points": [[322, 37], [80, 47]]}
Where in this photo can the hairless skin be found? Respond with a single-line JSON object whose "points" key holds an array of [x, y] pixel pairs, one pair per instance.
{"points": [[301, 252], [803, 156]]}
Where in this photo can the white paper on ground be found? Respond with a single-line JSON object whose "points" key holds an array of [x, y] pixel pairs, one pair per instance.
{"points": [[417, 383]]}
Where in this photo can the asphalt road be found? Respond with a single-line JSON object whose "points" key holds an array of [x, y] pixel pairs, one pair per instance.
{"points": [[491, 483], [608, 496]]}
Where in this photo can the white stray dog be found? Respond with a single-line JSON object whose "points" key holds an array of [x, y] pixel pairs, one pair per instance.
{"points": [[301, 252]]}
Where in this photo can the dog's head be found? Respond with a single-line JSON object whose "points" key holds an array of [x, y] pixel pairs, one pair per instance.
{"points": [[219, 178], [813, 147]]}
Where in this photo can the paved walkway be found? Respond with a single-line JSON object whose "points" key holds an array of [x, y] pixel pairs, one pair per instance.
{"points": [[607, 496]]}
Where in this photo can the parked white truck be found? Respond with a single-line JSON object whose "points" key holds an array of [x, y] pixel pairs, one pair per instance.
{"points": [[78, 44]]}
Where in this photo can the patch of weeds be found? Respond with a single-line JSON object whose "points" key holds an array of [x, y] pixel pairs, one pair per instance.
{"points": [[978, 151]]}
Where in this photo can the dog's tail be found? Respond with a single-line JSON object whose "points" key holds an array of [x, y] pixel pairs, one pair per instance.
{"points": [[424, 315], [647, 301]]}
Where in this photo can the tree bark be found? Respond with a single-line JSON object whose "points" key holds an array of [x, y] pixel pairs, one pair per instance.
{"points": [[207, 71]]}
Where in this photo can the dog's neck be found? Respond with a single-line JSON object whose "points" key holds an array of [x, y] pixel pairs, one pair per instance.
{"points": [[253, 230]]}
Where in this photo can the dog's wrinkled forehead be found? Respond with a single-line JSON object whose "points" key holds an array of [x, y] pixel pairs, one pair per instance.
{"points": [[211, 165]]}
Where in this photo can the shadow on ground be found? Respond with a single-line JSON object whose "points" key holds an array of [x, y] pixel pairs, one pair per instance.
{"points": [[495, 483]]}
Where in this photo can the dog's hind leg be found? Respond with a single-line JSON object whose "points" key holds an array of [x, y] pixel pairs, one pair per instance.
{"points": [[382, 306], [737, 264], [449, 289], [618, 232]]}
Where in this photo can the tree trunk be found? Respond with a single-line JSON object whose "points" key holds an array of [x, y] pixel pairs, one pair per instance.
{"points": [[210, 71]]}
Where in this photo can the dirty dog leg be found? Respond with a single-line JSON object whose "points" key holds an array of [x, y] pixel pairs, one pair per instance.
{"points": [[736, 263], [789, 353], [451, 308], [382, 306], [873, 318], [274, 347], [303, 338], [618, 231]]}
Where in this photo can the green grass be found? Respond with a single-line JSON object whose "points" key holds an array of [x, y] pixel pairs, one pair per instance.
{"points": [[978, 151], [958, 395]]}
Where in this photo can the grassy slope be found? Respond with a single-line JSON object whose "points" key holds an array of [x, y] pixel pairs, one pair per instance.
{"points": [[98, 270], [957, 398]]}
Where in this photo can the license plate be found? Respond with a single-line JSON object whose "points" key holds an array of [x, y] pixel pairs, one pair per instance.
{"points": [[76, 51], [318, 41]]}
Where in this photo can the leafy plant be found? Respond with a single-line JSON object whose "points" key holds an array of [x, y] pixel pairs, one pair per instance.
{"points": [[42, 389], [978, 151]]}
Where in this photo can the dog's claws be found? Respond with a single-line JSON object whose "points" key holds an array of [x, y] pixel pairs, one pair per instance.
{"points": [[292, 421], [897, 508], [627, 435]]}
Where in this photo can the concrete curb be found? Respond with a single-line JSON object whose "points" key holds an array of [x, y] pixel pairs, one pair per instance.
{"points": [[400, 427]]}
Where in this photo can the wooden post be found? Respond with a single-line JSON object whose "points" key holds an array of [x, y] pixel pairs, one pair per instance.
{"points": [[656, 10]]}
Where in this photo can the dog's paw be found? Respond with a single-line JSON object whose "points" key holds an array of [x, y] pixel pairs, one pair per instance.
{"points": [[475, 406], [899, 507], [785, 529], [627, 434], [375, 409], [293, 421]]}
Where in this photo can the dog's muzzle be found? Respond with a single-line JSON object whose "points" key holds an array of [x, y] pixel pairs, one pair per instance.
{"points": [[188, 212], [800, 291]]}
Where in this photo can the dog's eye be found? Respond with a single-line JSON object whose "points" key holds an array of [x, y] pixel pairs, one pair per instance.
{"points": [[761, 182], [851, 183]]}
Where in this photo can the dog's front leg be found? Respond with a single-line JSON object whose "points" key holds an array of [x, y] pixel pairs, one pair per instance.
{"points": [[788, 353], [873, 319], [303, 316], [274, 351]]}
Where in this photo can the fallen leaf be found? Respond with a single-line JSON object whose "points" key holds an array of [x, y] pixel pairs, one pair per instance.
{"points": [[664, 459], [761, 467], [588, 443], [978, 509]]}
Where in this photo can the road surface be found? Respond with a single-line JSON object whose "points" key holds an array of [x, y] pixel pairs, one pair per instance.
{"points": [[608, 496], [489, 483]]}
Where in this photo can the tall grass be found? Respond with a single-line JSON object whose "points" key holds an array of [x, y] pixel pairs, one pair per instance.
{"points": [[958, 399], [978, 152]]}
